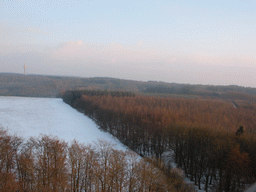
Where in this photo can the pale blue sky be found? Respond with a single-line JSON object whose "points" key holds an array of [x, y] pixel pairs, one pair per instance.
{"points": [[206, 42]]}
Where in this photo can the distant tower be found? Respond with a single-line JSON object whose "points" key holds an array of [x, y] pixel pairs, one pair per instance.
{"points": [[25, 67]]}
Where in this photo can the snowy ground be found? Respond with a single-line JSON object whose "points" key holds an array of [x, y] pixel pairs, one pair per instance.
{"points": [[28, 116], [168, 158]]}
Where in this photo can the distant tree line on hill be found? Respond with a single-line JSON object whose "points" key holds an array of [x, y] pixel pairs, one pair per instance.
{"points": [[55, 86], [49, 164], [200, 132]]}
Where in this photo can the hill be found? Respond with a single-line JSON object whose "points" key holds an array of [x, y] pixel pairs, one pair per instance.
{"points": [[54, 86]]}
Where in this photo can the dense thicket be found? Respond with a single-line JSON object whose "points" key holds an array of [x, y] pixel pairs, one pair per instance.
{"points": [[71, 96], [201, 133], [49, 164]]}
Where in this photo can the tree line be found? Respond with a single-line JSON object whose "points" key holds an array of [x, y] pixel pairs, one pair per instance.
{"points": [[49, 164], [201, 133], [73, 95], [53, 86]]}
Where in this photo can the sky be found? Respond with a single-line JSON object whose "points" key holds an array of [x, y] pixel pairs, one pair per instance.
{"points": [[195, 42]]}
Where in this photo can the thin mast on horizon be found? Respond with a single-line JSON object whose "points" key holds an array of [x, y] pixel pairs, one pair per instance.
{"points": [[25, 67]]}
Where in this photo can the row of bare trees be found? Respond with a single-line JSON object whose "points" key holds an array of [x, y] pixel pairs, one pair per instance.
{"points": [[214, 160], [201, 133], [49, 164]]}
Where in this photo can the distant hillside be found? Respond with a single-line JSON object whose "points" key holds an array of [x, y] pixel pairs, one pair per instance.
{"points": [[53, 86]]}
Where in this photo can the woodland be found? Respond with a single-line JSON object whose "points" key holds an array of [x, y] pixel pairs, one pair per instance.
{"points": [[213, 140], [49, 164], [12, 84], [209, 131]]}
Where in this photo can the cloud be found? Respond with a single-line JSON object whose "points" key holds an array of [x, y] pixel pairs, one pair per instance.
{"points": [[111, 52], [146, 55], [245, 60], [70, 50]]}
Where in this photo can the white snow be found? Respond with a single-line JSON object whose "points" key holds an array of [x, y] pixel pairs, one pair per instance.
{"points": [[29, 117], [169, 159]]}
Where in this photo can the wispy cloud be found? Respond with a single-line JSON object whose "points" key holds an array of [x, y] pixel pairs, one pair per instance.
{"points": [[141, 53], [111, 52]]}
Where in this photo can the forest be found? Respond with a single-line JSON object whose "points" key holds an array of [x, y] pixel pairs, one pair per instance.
{"points": [[49, 164], [208, 130], [55, 86], [213, 140]]}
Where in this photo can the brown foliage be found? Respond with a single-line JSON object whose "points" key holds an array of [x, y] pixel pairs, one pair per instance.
{"points": [[200, 132], [48, 164], [236, 168]]}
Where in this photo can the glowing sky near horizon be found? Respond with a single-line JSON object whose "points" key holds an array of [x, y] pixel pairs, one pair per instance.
{"points": [[196, 42]]}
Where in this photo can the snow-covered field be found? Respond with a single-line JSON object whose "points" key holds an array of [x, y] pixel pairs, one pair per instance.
{"points": [[27, 116]]}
